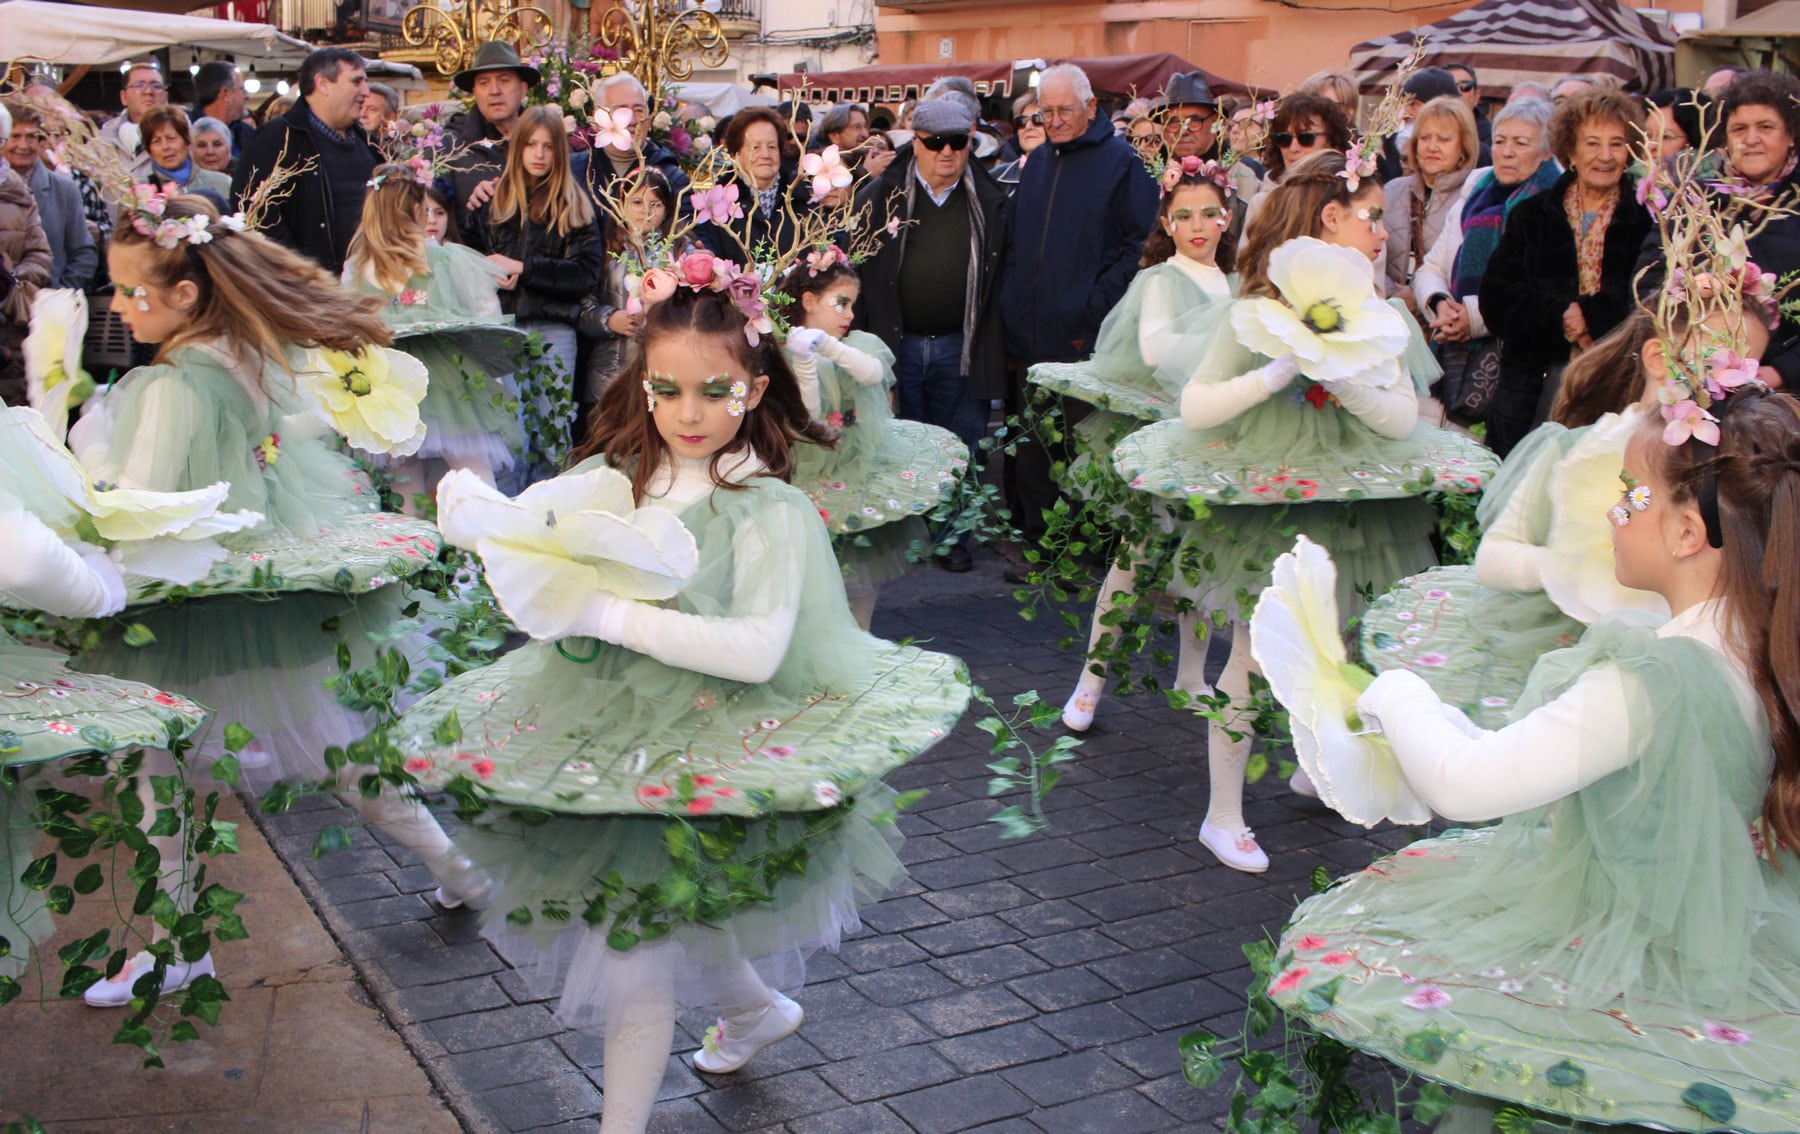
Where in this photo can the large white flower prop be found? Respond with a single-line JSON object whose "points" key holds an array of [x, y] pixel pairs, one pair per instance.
{"points": [[170, 536], [1578, 554], [549, 550], [1328, 316], [54, 379], [371, 397], [1296, 637]]}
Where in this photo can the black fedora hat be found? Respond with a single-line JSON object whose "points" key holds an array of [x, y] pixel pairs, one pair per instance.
{"points": [[496, 56]]}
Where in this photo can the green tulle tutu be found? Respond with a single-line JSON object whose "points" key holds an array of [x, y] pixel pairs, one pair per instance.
{"points": [[885, 474], [622, 748], [882, 469], [48, 712], [1627, 954], [318, 568], [449, 319], [1117, 378]]}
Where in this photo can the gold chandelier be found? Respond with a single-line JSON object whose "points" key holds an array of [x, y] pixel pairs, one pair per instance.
{"points": [[453, 31], [658, 41]]}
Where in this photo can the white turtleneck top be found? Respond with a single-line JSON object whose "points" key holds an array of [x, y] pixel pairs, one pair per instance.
{"points": [[1468, 774], [747, 648]]}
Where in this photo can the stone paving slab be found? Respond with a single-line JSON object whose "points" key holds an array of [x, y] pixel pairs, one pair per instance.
{"points": [[1011, 987]]}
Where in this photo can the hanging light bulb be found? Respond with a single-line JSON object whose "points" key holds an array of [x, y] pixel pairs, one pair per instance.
{"points": [[281, 86], [252, 84], [193, 68]]}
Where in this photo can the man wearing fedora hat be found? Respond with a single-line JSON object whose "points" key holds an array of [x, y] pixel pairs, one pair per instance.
{"points": [[1189, 111], [498, 79]]}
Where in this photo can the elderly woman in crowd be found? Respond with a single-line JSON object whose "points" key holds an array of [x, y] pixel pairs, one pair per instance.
{"points": [[1562, 273], [1448, 282], [211, 146], [1028, 135], [168, 155], [1441, 154], [1304, 124], [1671, 124], [771, 200]]}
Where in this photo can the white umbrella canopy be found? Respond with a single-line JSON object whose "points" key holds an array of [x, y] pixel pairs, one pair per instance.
{"points": [[720, 98]]}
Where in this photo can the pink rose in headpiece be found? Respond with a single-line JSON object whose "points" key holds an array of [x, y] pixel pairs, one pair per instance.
{"points": [[1191, 165], [659, 284], [696, 268]]}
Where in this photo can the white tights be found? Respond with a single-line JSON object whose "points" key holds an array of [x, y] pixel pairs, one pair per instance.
{"points": [[1190, 665], [1225, 757], [640, 1025], [405, 818]]}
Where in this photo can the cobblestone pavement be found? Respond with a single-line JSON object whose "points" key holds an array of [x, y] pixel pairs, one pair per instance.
{"points": [[1009, 987]]}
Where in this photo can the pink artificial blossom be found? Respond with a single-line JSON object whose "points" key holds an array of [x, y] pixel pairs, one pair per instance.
{"points": [[827, 170], [1724, 1033], [1428, 998], [717, 205], [1289, 980], [1726, 372], [1686, 419]]}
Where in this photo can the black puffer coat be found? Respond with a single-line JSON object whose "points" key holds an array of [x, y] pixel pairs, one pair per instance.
{"points": [[560, 268]]}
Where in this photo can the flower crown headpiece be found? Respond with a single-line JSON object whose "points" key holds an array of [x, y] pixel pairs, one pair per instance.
{"points": [[417, 170], [145, 212], [702, 271], [1709, 280], [825, 257], [1360, 159], [1178, 169]]}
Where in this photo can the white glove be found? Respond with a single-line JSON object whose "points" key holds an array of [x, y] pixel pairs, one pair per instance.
{"points": [[604, 618], [1389, 693], [1461, 722], [802, 341], [108, 575], [1280, 374]]}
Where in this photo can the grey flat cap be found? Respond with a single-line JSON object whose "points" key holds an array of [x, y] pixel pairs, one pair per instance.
{"points": [[1188, 89], [946, 115]]}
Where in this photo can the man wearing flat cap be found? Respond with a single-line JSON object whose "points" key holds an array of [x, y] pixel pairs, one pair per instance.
{"points": [[498, 79], [1189, 111], [929, 291]]}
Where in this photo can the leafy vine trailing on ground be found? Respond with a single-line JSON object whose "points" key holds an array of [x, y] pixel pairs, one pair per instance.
{"points": [[128, 873], [1024, 768], [547, 395], [1306, 1077]]}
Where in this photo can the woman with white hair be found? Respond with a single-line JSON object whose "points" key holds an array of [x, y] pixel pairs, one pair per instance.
{"points": [[210, 146], [1448, 281]]}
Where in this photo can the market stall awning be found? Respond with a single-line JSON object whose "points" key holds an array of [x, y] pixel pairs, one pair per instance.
{"points": [[72, 35], [1513, 41], [1112, 75]]}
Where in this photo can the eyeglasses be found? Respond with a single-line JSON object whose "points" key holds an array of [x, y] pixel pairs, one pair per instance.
{"points": [[1465, 85], [936, 142], [1284, 139], [1193, 122], [1020, 121], [147, 86]]}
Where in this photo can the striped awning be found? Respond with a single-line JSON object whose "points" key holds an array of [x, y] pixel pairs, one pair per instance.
{"points": [[1511, 41]]}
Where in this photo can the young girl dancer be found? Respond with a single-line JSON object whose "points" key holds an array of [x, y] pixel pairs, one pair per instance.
{"points": [[691, 755], [443, 307], [883, 472], [1304, 418], [1145, 354], [229, 314], [1621, 948], [643, 214]]}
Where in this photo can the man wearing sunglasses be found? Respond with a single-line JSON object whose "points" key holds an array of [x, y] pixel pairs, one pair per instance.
{"points": [[929, 292], [1081, 213], [1188, 115], [1469, 87]]}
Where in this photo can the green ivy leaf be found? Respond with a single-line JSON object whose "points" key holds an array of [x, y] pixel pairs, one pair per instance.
{"points": [[1319, 880], [137, 635], [59, 899], [448, 731], [520, 918], [1319, 1000], [167, 822], [332, 839], [1567, 1073], [40, 873], [1199, 1065], [225, 769], [9, 991], [1713, 1102], [1514, 1120], [237, 737], [90, 878], [1427, 1045]]}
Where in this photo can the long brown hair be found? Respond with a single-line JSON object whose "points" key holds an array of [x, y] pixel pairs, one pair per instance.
{"points": [[553, 201], [1754, 475], [626, 434], [1292, 209], [253, 292], [1160, 245], [390, 242], [1606, 377]]}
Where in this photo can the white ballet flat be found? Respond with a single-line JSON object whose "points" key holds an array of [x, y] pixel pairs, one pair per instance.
{"points": [[726, 1054], [1301, 784], [1238, 851], [1078, 713], [116, 993]]}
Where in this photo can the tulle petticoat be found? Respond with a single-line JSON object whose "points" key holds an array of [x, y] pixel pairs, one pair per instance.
{"points": [[567, 856]]}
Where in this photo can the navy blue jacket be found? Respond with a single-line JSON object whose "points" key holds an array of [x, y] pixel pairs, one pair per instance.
{"points": [[1079, 220]]}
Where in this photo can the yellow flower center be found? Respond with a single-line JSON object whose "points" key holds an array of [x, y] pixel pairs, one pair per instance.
{"points": [[357, 383], [1322, 317]]}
